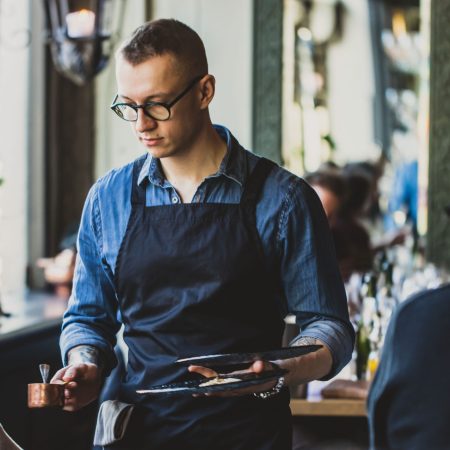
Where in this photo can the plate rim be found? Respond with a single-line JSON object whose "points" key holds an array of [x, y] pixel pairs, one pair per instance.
{"points": [[159, 389], [314, 347]]}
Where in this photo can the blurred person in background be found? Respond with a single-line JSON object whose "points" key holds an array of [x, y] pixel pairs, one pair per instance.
{"points": [[352, 240], [403, 201], [344, 196], [370, 215], [371, 212], [331, 189]]}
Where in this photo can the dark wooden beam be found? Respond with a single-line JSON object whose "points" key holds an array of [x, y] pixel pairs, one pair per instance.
{"points": [[438, 237], [69, 153], [267, 78]]}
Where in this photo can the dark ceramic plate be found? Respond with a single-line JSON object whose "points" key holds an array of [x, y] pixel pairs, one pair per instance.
{"points": [[197, 386], [247, 358]]}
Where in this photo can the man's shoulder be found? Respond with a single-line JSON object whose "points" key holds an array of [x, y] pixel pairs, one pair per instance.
{"points": [[115, 185], [283, 191], [280, 181], [116, 178], [432, 305]]}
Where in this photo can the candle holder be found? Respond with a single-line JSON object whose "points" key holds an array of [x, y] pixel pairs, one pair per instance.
{"points": [[82, 35]]}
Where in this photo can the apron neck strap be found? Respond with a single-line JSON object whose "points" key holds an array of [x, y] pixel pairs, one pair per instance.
{"points": [[255, 181], [250, 195], [138, 191]]}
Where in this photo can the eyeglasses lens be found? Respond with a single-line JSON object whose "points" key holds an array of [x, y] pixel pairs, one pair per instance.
{"points": [[158, 112], [126, 112]]}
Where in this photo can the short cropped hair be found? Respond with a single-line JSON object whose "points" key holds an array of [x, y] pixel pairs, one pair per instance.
{"points": [[167, 36]]}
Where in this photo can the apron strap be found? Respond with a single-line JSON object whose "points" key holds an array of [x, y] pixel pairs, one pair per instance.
{"points": [[252, 190], [138, 191], [255, 181]]}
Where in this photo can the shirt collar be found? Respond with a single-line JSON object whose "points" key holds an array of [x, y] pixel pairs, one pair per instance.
{"points": [[151, 170], [233, 165]]}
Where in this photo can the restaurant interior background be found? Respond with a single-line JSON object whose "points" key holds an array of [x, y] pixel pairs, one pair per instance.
{"points": [[299, 81], [354, 89]]}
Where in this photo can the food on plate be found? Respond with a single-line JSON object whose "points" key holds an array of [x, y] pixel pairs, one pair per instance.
{"points": [[219, 380]]}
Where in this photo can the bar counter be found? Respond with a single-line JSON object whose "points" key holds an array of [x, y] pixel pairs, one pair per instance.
{"points": [[328, 407], [28, 337], [29, 312]]}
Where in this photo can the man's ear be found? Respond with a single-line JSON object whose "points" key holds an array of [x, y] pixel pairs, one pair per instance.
{"points": [[207, 90]]}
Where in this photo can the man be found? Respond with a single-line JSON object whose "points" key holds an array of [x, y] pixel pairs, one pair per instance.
{"points": [[203, 248], [409, 400]]}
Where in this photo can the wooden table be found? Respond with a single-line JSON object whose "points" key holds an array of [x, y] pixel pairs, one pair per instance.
{"points": [[328, 407]]}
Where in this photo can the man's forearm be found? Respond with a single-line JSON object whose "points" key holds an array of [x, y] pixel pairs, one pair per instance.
{"points": [[309, 367], [336, 336], [85, 354]]}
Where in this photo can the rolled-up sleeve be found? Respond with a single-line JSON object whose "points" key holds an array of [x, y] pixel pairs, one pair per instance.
{"points": [[91, 316], [310, 276]]}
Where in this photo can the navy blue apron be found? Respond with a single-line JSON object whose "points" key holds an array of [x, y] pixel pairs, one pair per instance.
{"points": [[191, 281]]}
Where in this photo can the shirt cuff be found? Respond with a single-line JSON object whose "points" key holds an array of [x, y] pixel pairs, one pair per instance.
{"points": [[71, 338], [337, 337]]}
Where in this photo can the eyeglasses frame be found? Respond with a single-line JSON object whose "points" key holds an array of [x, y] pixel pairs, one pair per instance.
{"points": [[165, 105]]}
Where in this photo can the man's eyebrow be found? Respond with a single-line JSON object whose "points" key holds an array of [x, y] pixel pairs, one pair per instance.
{"points": [[124, 97], [147, 99]]}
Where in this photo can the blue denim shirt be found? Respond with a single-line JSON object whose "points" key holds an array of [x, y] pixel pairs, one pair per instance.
{"points": [[290, 220]]}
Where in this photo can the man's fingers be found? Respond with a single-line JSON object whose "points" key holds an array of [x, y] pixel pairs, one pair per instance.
{"points": [[58, 375], [261, 366], [70, 405], [75, 372], [258, 366], [69, 373], [205, 371]]}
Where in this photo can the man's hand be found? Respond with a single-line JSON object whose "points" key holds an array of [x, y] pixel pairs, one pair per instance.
{"points": [[256, 367], [84, 381], [311, 366], [302, 369]]}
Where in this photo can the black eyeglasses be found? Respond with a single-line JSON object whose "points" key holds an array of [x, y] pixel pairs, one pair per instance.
{"points": [[155, 110]]}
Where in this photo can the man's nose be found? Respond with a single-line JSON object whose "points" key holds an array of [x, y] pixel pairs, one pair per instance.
{"points": [[144, 122]]}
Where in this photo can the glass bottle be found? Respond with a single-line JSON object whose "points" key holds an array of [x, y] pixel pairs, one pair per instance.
{"points": [[362, 349], [372, 363], [368, 325]]}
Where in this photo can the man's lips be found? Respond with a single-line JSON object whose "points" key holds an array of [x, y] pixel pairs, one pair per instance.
{"points": [[151, 141]]}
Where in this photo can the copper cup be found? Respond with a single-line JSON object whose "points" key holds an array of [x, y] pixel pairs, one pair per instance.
{"points": [[43, 395]]}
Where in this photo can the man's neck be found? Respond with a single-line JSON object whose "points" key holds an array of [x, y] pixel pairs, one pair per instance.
{"points": [[187, 171]]}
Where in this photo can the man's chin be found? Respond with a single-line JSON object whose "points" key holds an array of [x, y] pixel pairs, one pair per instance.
{"points": [[159, 153]]}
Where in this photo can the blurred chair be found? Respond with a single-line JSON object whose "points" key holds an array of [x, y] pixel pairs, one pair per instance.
{"points": [[409, 401]]}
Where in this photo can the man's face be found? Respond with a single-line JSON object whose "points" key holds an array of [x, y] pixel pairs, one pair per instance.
{"points": [[161, 79]]}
